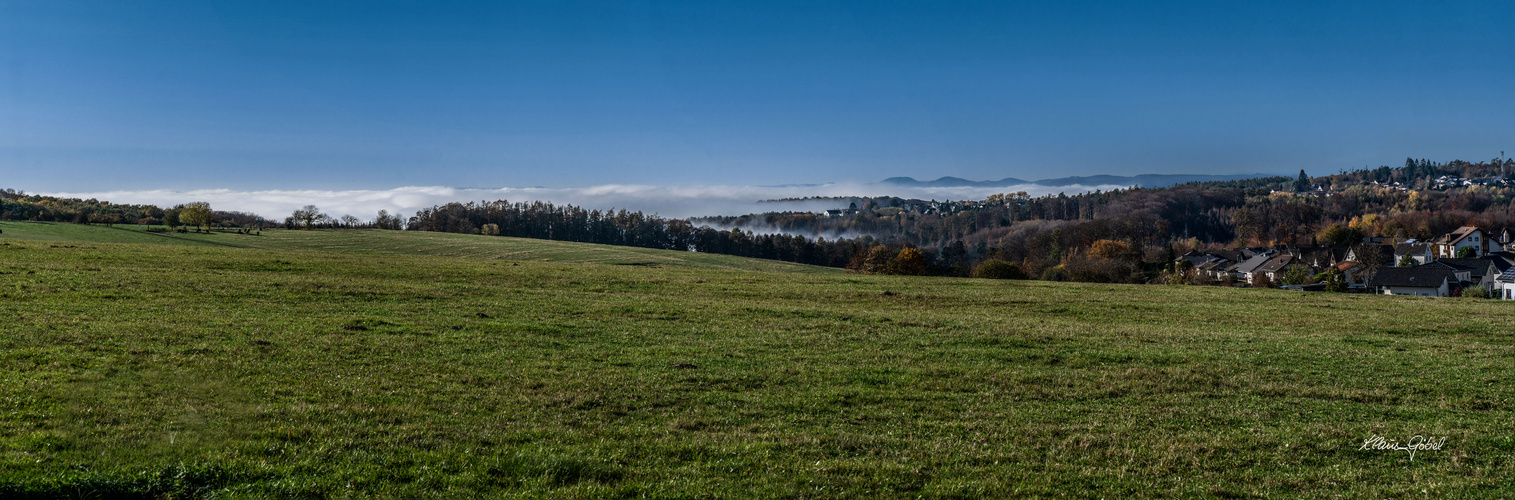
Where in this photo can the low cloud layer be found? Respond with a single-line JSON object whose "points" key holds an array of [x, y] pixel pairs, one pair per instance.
{"points": [[667, 201]]}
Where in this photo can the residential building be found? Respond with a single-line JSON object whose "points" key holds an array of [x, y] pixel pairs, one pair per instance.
{"points": [[1417, 281], [1464, 237]]}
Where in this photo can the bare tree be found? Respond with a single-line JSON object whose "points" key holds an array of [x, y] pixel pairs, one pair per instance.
{"points": [[308, 216]]}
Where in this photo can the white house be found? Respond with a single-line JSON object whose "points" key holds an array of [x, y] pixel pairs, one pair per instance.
{"points": [[1420, 253], [1504, 285], [1417, 281], [1501, 242], [1247, 270], [1464, 237]]}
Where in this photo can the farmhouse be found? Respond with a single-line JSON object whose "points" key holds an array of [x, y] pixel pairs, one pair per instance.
{"points": [[1417, 281]]}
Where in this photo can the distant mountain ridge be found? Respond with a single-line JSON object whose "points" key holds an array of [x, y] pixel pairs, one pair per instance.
{"points": [[1143, 180]]}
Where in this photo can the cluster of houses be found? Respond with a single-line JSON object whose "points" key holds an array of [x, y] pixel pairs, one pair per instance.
{"points": [[1461, 260], [1451, 181], [914, 206]]}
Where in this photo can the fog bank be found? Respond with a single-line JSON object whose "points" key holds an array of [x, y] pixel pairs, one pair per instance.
{"points": [[666, 201]]}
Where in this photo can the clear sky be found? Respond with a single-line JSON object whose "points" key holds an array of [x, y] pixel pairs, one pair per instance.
{"points": [[372, 95]]}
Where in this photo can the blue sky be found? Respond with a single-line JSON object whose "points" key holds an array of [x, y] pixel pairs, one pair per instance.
{"points": [[373, 95]]}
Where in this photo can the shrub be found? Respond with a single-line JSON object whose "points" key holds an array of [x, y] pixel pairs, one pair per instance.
{"points": [[997, 269], [1054, 273], [1476, 292], [909, 262]]}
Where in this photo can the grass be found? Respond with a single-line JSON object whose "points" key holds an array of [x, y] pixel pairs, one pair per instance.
{"points": [[200, 370], [66, 232], [416, 243]]}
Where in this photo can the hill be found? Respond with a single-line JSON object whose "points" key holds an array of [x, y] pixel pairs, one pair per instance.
{"points": [[63, 231], [953, 182], [377, 371], [373, 241]]}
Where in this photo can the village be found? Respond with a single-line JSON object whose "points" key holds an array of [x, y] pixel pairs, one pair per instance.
{"points": [[1470, 261]]}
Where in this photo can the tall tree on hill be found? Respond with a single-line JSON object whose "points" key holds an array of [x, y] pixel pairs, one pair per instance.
{"points": [[195, 213], [1302, 184], [307, 216]]}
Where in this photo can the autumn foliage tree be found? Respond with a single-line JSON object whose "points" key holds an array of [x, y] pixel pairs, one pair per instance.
{"points": [[1110, 249], [909, 262]]}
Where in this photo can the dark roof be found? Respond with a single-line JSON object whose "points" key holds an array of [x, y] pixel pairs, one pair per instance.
{"points": [[1480, 266], [1251, 265], [1412, 248], [1509, 275], [1500, 263], [1229, 255], [1447, 264], [1507, 257], [1276, 263], [1420, 276]]}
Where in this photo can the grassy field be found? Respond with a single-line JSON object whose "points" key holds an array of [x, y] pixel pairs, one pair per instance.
{"points": [[408, 243], [368, 363]]}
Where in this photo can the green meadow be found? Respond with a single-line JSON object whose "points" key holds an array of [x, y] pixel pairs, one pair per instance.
{"points": [[362, 363]]}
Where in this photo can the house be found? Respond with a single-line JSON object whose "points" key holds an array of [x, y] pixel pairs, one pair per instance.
{"points": [[834, 213], [1504, 285], [1464, 237], [1463, 274], [1351, 273], [1215, 269], [1247, 270], [1501, 242], [1417, 281], [1420, 253], [1322, 257], [1482, 268], [1275, 268]]}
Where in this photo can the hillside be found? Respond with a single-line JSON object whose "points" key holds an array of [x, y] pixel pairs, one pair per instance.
{"points": [[272, 372], [371, 241], [63, 231]]}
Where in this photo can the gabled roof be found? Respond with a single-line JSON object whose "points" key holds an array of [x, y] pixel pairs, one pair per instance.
{"points": [[1412, 248], [1276, 263], [1443, 264], [1231, 255], [1479, 267], [1508, 276], [1251, 265], [1420, 276], [1455, 236], [1507, 257]]}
